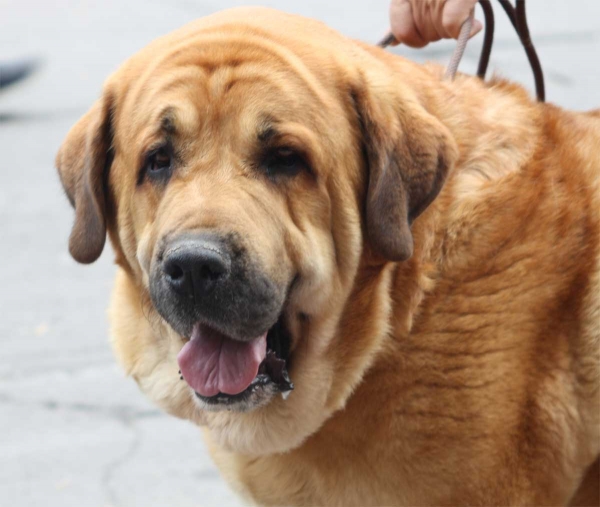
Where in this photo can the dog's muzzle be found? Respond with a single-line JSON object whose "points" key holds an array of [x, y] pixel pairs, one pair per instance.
{"points": [[231, 315]]}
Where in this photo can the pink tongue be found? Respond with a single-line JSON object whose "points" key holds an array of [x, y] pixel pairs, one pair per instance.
{"points": [[211, 363]]}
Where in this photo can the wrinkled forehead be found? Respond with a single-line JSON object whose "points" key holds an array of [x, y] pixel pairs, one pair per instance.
{"points": [[231, 76]]}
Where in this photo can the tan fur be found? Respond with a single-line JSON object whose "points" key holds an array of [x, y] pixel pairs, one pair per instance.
{"points": [[466, 375]]}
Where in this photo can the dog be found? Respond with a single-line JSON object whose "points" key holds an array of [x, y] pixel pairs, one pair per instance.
{"points": [[368, 285]]}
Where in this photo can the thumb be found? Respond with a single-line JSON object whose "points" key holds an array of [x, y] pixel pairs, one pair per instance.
{"points": [[453, 16], [475, 28]]}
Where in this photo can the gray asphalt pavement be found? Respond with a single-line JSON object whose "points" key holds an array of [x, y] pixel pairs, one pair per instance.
{"points": [[73, 430]]}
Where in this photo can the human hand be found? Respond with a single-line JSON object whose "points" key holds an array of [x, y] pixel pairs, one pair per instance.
{"points": [[416, 23]]}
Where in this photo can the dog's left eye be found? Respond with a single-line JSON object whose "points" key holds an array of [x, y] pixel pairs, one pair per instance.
{"points": [[158, 164], [159, 161], [284, 161]]}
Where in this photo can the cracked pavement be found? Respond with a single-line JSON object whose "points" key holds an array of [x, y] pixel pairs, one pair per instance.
{"points": [[73, 430]]}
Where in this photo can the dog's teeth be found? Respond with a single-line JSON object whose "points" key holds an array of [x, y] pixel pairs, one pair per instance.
{"points": [[285, 394]]}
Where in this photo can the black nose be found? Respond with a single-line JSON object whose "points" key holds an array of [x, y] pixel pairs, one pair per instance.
{"points": [[192, 267]]}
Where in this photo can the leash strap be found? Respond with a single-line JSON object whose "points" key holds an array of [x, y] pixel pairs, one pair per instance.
{"points": [[459, 50]]}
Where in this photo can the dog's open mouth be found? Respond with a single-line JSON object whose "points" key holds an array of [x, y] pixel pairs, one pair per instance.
{"points": [[224, 371]]}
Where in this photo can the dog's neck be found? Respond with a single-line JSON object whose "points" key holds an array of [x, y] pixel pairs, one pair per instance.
{"points": [[496, 133], [495, 128]]}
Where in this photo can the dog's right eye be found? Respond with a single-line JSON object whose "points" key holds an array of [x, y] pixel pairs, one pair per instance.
{"points": [[284, 162], [158, 164]]}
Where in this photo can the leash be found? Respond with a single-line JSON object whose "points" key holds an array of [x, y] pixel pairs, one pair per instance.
{"points": [[459, 50], [518, 19]]}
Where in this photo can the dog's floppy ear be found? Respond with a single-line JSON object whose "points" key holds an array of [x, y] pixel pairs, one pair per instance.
{"points": [[409, 153], [83, 162]]}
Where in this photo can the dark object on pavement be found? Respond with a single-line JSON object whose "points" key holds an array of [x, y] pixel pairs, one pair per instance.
{"points": [[15, 71]]}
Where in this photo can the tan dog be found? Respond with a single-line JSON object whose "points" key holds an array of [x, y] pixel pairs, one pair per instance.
{"points": [[421, 256]]}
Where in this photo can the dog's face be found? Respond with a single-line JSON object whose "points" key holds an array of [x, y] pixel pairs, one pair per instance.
{"points": [[254, 175]]}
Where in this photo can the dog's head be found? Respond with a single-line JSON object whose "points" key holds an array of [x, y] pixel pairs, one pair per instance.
{"points": [[255, 171]]}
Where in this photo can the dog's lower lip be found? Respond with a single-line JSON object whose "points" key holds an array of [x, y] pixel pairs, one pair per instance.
{"points": [[261, 380]]}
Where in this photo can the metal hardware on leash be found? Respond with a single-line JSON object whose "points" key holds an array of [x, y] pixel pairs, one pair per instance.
{"points": [[518, 19]]}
